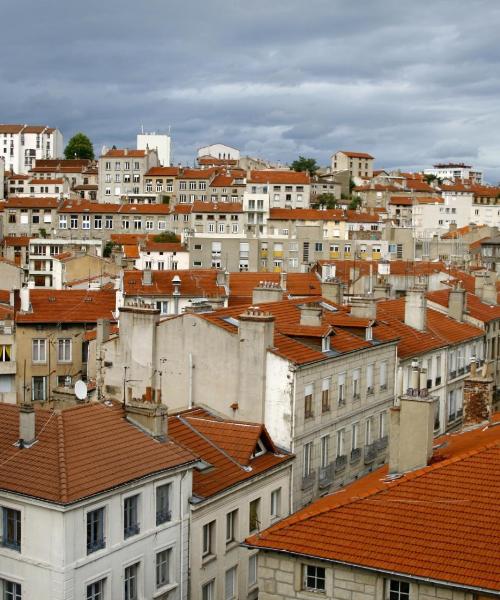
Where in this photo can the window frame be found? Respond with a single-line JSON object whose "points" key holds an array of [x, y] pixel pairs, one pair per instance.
{"points": [[315, 578]]}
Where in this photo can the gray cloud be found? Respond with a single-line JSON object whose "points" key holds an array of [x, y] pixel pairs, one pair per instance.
{"points": [[410, 82]]}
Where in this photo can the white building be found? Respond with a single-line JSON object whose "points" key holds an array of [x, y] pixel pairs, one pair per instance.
{"points": [[455, 171], [161, 142], [93, 507], [159, 256], [21, 145], [220, 151]]}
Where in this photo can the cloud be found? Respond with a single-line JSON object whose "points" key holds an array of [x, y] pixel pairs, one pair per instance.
{"points": [[409, 82]]}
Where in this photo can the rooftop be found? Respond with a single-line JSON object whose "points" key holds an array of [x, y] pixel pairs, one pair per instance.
{"points": [[279, 176], [196, 283]]}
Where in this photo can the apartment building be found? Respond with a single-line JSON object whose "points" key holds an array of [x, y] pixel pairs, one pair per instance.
{"points": [[486, 205], [31, 217], [456, 171], [160, 142], [162, 255], [80, 173], [15, 184], [386, 537], [111, 477], [280, 188], [321, 380], [7, 350], [2, 178], [121, 172], [220, 151], [358, 164], [22, 145], [244, 488], [51, 350]]}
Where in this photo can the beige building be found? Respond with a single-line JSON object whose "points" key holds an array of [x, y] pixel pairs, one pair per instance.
{"points": [[33, 217], [122, 171], [358, 164]]}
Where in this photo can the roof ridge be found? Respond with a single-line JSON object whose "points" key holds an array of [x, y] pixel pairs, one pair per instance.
{"points": [[63, 478], [410, 476]]}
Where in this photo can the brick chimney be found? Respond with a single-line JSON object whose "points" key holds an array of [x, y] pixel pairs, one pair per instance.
{"points": [[411, 427], [267, 291], [416, 309], [456, 303], [478, 396]]}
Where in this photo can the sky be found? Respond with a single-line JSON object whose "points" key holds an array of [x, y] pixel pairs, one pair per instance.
{"points": [[412, 83]]}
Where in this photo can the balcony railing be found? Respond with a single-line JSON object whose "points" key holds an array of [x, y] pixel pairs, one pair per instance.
{"points": [[162, 516], [438, 381], [10, 543], [308, 480], [97, 544], [382, 443], [355, 455], [340, 462], [131, 530], [370, 453], [326, 475]]}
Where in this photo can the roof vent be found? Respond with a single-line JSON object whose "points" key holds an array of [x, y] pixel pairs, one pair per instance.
{"points": [[51, 299]]}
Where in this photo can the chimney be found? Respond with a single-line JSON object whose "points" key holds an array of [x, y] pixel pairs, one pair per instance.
{"points": [[102, 331], [147, 277], [283, 280], [26, 424], [25, 299], [416, 309], [333, 290], [479, 281], [364, 307], [310, 314], [256, 336], [267, 291], [151, 417], [456, 303], [176, 282], [222, 278], [489, 293], [382, 290], [478, 396]]}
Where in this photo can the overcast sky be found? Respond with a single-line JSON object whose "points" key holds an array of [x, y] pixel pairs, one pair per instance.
{"points": [[410, 82]]}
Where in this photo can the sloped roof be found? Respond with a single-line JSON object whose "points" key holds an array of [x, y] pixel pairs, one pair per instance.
{"points": [[216, 207], [18, 202], [241, 285], [68, 306], [352, 154], [475, 308], [441, 522], [80, 452], [124, 153], [279, 176], [87, 206], [195, 283], [227, 446]]}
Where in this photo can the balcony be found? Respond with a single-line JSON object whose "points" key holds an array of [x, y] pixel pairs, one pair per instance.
{"points": [[381, 444], [94, 545], [356, 397], [335, 255], [263, 253], [131, 530], [370, 453], [308, 481], [340, 462], [369, 391], [453, 374], [278, 253], [8, 367], [355, 455], [326, 475], [163, 516]]}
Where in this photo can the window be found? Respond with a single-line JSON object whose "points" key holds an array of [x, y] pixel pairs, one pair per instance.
{"points": [[95, 530], [368, 432], [341, 391], [354, 436], [38, 388], [130, 512], [63, 222], [307, 459], [252, 570], [341, 442], [209, 539], [5, 352], [163, 560], [11, 590], [381, 425], [73, 222], [325, 395], [231, 521], [398, 590], [275, 503], [108, 222], [11, 528], [308, 399], [207, 591], [230, 584], [64, 350], [98, 222], [325, 451], [383, 375], [39, 351], [318, 247], [313, 578], [253, 515], [130, 582], [125, 223], [355, 384], [95, 591], [369, 379]]}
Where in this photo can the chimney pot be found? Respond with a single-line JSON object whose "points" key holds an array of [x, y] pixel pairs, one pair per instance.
{"points": [[26, 424]]}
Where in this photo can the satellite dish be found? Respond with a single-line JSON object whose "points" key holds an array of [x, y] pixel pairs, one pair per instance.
{"points": [[80, 390]]}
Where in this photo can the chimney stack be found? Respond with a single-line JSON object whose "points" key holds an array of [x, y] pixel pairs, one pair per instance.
{"points": [[102, 331], [416, 309], [151, 417], [283, 280], [25, 299], [478, 396], [176, 282], [364, 307], [147, 277], [310, 314], [333, 290], [267, 291], [26, 424], [456, 303]]}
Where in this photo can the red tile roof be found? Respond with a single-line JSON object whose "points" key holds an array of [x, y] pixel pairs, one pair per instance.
{"points": [[162, 172], [459, 231], [18, 202], [194, 284], [227, 446], [86, 206], [277, 176], [21, 240], [216, 207], [80, 452], [312, 214], [351, 154], [241, 285], [397, 267], [54, 181], [474, 307], [68, 306], [124, 153], [8, 128], [152, 246], [439, 523], [401, 200]]}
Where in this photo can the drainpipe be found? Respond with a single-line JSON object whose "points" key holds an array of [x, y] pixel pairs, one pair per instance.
{"points": [[181, 514], [190, 381]]}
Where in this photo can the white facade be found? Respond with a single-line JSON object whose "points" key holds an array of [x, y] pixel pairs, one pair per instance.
{"points": [[220, 151], [2, 176], [54, 563], [159, 261], [456, 171], [160, 142], [21, 145], [457, 208]]}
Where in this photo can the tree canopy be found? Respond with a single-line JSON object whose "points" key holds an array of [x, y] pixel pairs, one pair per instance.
{"points": [[79, 146], [166, 236], [327, 200], [305, 164]]}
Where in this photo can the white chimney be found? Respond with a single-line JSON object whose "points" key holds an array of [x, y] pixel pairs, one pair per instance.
{"points": [[416, 309], [25, 298], [176, 282], [26, 425]]}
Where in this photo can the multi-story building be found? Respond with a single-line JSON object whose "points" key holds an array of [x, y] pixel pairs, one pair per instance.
{"points": [[121, 172], [2, 177], [161, 142], [244, 488], [321, 380], [162, 255], [22, 145], [32, 217], [358, 164], [7, 351], [280, 188], [51, 350], [220, 151], [391, 536], [80, 173], [456, 171], [94, 503]]}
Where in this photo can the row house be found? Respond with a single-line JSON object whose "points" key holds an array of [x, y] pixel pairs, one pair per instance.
{"points": [[162, 255], [51, 350], [81, 174], [387, 535], [173, 292], [179, 184], [32, 217], [16, 184], [121, 172], [22, 145], [457, 208], [422, 213], [320, 379], [43, 187], [82, 218], [244, 488], [115, 480]]}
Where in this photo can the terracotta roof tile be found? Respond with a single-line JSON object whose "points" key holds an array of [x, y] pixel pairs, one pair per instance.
{"points": [[124, 153], [280, 177], [475, 308], [241, 285], [195, 283], [87, 206], [351, 154], [18, 202], [450, 534], [216, 207]]}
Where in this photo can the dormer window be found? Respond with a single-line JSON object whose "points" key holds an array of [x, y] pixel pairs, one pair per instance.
{"points": [[325, 343], [369, 333], [259, 450]]}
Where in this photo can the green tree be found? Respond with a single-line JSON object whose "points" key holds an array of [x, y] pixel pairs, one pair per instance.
{"points": [[79, 146], [327, 200], [305, 164], [355, 202], [166, 236]]}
